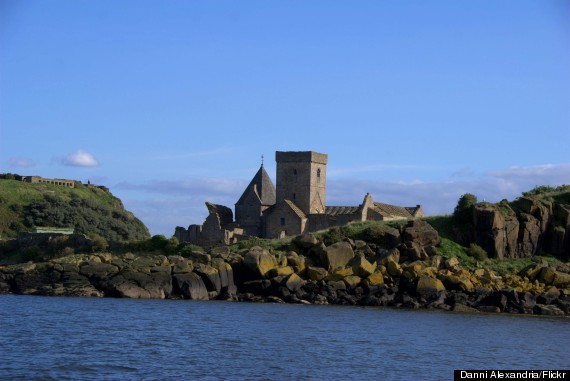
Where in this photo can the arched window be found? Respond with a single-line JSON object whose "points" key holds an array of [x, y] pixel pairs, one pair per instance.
{"points": [[318, 172]]}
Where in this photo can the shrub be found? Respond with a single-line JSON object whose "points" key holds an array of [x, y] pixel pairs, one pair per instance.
{"points": [[463, 210], [158, 242], [171, 245], [477, 252], [98, 243]]}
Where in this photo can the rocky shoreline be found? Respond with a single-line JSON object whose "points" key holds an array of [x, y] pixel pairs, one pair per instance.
{"points": [[410, 274]]}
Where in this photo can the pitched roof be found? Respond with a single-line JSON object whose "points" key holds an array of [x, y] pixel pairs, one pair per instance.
{"points": [[392, 210], [336, 210], [262, 186], [295, 208]]}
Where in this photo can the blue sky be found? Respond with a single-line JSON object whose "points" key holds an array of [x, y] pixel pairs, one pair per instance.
{"points": [[172, 103]]}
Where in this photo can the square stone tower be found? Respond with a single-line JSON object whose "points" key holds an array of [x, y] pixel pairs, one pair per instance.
{"points": [[301, 178]]}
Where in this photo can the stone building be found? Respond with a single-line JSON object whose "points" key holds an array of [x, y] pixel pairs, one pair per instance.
{"points": [[38, 179], [297, 205]]}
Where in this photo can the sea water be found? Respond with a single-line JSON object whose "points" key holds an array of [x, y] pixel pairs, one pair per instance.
{"points": [[61, 338]]}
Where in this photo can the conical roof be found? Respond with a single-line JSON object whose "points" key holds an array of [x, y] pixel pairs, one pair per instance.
{"points": [[262, 186]]}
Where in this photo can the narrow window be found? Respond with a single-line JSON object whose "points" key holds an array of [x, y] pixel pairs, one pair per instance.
{"points": [[294, 171], [319, 172], [294, 196], [282, 221]]}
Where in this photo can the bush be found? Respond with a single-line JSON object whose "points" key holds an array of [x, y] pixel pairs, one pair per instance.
{"points": [[158, 242], [187, 250], [98, 243], [464, 209], [171, 245], [477, 252]]}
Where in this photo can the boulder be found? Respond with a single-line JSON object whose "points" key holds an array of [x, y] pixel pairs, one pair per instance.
{"points": [[296, 261], [294, 282], [337, 255], [305, 241], [191, 286], [340, 273], [386, 256], [210, 276], [429, 287], [422, 233], [546, 275], [464, 309], [257, 262], [458, 282], [352, 281], [393, 268], [220, 251], [496, 299], [98, 270], [257, 287], [200, 257], [452, 263], [316, 273], [548, 310], [561, 280], [280, 271], [375, 279], [363, 268]]}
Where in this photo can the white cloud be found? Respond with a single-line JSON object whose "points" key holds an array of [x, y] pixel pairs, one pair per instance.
{"points": [[80, 158], [21, 162]]}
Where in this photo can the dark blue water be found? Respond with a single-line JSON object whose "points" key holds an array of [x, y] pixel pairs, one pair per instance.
{"points": [[119, 339]]}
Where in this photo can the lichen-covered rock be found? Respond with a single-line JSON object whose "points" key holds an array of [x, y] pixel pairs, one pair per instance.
{"points": [[98, 270], [258, 262], [429, 287], [375, 279], [296, 261], [305, 241], [191, 286], [316, 273], [352, 281], [363, 268], [294, 282], [422, 233], [393, 268], [210, 276], [337, 255], [280, 271]]}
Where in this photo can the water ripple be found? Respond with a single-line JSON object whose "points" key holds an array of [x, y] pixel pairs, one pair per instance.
{"points": [[45, 338]]}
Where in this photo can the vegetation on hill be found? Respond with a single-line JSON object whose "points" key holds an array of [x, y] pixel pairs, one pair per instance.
{"points": [[89, 210]]}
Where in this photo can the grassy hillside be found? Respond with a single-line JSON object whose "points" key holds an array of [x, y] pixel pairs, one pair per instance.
{"points": [[89, 210]]}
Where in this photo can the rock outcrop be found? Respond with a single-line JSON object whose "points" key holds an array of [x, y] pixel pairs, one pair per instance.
{"points": [[406, 272], [522, 229]]}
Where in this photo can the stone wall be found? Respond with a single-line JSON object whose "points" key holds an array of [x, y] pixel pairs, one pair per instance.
{"points": [[282, 220], [301, 178]]}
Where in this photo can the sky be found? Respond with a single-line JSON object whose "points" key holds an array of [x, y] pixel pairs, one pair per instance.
{"points": [[173, 103]]}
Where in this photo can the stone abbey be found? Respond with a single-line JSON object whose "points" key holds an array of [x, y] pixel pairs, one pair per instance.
{"points": [[295, 206]]}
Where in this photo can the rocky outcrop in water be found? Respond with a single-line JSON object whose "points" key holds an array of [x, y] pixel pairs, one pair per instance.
{"points": [[405, 272]]}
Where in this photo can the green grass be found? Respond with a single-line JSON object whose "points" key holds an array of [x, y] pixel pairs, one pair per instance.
{"points": [[88, 209]]}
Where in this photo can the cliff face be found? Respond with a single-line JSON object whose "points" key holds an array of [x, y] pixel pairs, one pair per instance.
{"points": [[529, 226]]}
